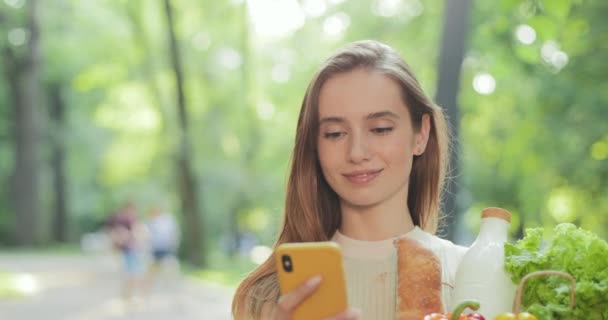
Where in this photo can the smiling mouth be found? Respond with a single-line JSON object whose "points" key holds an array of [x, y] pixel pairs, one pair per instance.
{"points": [[362, 177]]}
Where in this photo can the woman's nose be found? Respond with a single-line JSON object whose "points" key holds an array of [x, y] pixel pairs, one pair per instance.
{"points": [[359, 150]]}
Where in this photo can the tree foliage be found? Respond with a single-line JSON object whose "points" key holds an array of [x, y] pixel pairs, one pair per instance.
{"points": [[537, 143]]}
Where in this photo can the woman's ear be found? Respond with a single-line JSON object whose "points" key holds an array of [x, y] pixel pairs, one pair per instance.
{"points": [[422, 136]]}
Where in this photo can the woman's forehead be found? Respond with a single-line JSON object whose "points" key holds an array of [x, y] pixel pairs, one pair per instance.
{"points": [[360, 93]]}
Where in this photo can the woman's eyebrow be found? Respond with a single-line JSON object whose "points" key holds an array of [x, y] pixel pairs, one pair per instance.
{"points": [[375, 115], [331, 119], [382, 114]]}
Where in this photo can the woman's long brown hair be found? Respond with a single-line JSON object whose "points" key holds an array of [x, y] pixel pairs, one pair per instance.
{"points": [[312, 209]]}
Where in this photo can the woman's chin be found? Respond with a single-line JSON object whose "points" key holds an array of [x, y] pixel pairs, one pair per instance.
{"points": [[360, 202]]}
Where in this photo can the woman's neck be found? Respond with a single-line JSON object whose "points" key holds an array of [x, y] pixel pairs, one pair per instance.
{"points": [[378, 222]]}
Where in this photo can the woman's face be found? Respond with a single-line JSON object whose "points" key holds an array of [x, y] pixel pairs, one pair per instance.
{"points": [[366, 142]]}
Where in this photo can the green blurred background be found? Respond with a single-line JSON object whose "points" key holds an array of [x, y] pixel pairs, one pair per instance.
{"points": [[194, 105]]}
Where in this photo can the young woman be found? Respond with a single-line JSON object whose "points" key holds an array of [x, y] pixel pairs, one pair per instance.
{"points": [[367, 168]]}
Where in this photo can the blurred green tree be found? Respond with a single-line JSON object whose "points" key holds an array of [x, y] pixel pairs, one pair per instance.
{"points": [[532, 107]]}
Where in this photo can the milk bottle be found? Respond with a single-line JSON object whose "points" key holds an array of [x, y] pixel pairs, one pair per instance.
{"points": [[481, 274]]}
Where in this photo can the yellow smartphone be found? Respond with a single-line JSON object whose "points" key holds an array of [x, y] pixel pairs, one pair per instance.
{"points": [[298, 262]]}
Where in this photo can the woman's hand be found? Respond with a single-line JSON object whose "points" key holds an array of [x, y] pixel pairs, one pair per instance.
{"points": [[350, 314], [287, 303]]}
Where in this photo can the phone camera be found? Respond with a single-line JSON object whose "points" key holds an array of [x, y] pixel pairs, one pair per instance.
{"points": [[287, 264]]}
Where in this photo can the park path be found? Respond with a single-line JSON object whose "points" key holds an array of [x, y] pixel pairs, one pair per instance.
{"points": [[86, 287]]}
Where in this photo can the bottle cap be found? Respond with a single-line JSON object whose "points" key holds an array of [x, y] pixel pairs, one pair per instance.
{"points": [[496, 213]]}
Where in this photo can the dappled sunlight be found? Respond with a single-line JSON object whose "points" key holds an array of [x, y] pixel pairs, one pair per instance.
{"points": [[201, 41], [525, 34], [275, 18], [26, 284], [231, 145], [265, 110], [397, 8], [229, 58], [259, 254], [386, 8], [281, 73], [17, 4], [98, 75], [484, 83], [564, 203], [128, 109], [18, 285], [599, 150], [17, 37], [553, 56], [257, 219], [314, 8], [128, 159], [336, 25]]}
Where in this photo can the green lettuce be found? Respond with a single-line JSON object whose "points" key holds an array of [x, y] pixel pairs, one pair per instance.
{"points": [[571, 249]]}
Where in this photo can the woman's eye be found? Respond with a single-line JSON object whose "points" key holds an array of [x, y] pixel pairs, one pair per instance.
{"points": [[333, 135], [382, 130]]}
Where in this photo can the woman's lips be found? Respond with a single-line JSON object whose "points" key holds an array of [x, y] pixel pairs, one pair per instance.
{"points": [[362, 176]]}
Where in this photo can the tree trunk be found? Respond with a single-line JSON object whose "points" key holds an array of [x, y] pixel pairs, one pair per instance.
{"points": [[241, 201], [188, 185], [23, 77], [134, 11], [456, 18], [61, 221]]}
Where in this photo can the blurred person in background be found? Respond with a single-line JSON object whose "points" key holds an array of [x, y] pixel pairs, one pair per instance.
{"points": [[163, 235], [126, 234]]}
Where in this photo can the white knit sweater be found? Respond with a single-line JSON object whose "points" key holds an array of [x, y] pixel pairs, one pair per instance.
{"points": [[371, 271]]}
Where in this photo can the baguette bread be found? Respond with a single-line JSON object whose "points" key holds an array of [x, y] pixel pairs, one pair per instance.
{"points": [[418, 280]]}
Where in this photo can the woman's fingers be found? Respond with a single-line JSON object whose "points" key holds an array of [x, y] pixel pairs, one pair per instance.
{"points": [[350, 314], [288, 302], [291, 300]]}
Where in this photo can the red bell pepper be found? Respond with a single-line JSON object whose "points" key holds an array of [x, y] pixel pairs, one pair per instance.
{"points": [[457, 314]]}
